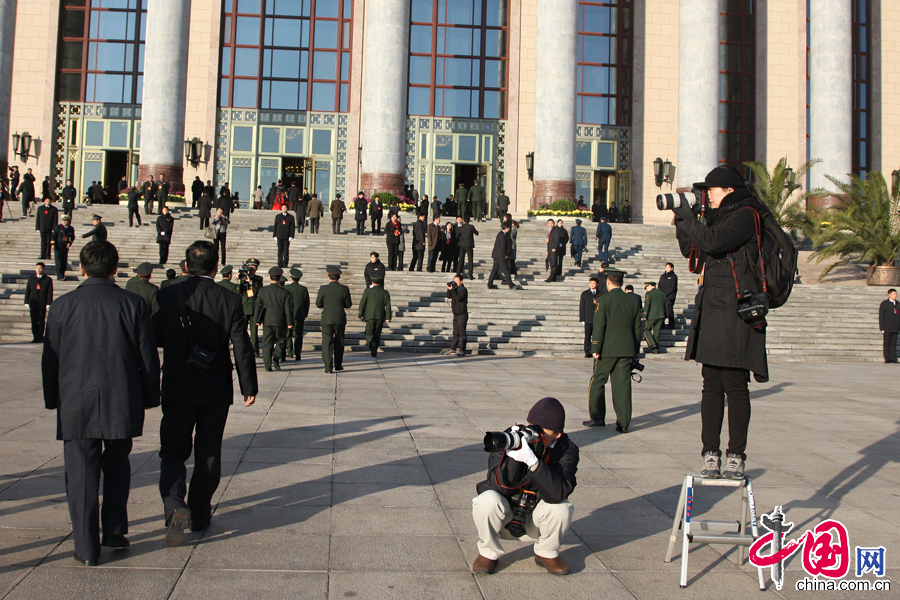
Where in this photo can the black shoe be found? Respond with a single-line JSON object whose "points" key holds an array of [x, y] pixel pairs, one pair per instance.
{"points": [[115, 541], [621, 429], [329, 371], [276, 366], [339, 368], [492, 287], [175, 528], [268, 369], [85, 563], [589, 356], [197, 527], [593, 423]]}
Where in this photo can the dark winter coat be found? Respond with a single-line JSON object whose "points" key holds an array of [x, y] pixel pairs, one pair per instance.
{"points": [[553, 477]]}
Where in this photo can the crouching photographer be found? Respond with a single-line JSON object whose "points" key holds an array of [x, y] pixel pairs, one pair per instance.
{"points": [[728, 326], [531, 473]]}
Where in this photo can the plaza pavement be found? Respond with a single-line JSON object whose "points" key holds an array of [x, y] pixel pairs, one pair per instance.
{"points": [[359, 485]]}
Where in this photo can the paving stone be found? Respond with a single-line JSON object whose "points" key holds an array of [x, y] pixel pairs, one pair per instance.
{"points": [[201, 584], [82, 583]]}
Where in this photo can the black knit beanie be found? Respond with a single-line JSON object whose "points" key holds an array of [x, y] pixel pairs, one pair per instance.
{"points": [[549, 414]]}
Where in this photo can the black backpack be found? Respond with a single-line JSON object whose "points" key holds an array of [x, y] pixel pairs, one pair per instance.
{"points": [[777, 258]]}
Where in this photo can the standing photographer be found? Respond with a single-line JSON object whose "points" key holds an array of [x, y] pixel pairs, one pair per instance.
{"points": [[459, 306], [727, 255], [545, 466]]}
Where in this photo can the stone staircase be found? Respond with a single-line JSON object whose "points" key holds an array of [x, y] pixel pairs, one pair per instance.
{"points": [[540, 319]]}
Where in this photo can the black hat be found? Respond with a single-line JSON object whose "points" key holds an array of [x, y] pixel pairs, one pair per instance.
{"points": [[252, 261], [226, 270], [722, 177], [283, 279], [578, 221], [296, 273], [144, 269], [549, 414], [276, 271], [378, 280], [332, 270]]}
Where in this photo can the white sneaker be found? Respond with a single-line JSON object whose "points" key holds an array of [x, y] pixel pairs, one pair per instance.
{"points": [[712, 464], [734, 467]]}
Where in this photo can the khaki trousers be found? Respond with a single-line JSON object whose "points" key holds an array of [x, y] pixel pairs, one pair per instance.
{"points": [[546, 527]]}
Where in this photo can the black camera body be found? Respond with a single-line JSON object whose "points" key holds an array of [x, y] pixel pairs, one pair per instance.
{"points": [[753, 308], [523, 505], [244, 273], [512, 440]]}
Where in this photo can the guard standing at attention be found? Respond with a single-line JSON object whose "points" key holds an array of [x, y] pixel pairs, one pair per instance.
{"points": [[98, 233], [586, 306], [375, 310], [889, 324], [250, 285], [140, 284], [275, 313], [615, 342], [61, 240], [300, 300], [227, 274], [655, 314], [333, 298], [38, 296], [283, 232], [45, 223]]}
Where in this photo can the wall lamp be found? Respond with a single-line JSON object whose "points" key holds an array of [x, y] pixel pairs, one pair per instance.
{"points": [[663, 172], [529, 165], [22, 145], [790, 178], [193, 151]]}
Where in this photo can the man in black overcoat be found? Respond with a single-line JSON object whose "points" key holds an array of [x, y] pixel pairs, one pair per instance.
{"points": [[148, 191], [38, 296], [586, 306], [165, 226], [284, 231], [196, 190], [668, 285], [196, 398], [61, 240], [500, 255], [466, 233], [69, 193], [45, 222], [889, 324], [553, 250], [100, 395], [361, 208]]}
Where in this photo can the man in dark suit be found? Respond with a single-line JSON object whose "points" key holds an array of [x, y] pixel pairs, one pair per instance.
{"points": [[654, 315], [500, 255], [459, 306], [45, 222], [300, 302], [98, 233], [553, 242], [275, 313], [418, 244], [133, 208], [69, 194], [466, 233], [97, 193], [361, 213], [375, 310], [578, 241], [392, 233], [140, 284], [460, 196], [563, 243], [314, 211], [376, 212], [162, 191], [38, 296], [196, 190], [374, 270], [300, 209], [436, 207], [889, 324], [284, 231], [165, 226], [26, 191], [668, 285], [337, 208], [629, 291], [100, 395], [615, 341], [61, 240], [196, 395], [434, 239], [294, 195], [148, 191], [333, 298], [586, 307]]}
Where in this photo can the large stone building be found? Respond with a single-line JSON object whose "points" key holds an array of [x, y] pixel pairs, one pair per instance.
{"points": [[342, 95]]}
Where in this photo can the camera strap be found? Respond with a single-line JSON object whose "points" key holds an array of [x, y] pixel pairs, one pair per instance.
{"points": [[183, 317], [762, 263]]}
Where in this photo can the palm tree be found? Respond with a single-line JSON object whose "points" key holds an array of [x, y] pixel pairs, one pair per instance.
{"points": [[865, 229], [776, 189]]}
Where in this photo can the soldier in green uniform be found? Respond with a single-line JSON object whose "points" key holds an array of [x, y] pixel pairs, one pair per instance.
{"points": [[227, 273], [614, 342], [98, 233], [275, 313], [375, 310], [476, 196], [333, 298], [461, 197], [140, 284], [250, 284], [300, 298], [502, 204], [184, 272], [162, 192], [655, 314]]}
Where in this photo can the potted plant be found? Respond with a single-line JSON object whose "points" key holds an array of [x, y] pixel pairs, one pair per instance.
{"points": [[866, 230], [777, 189]]}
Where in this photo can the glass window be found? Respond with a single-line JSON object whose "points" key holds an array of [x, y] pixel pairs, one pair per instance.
{"points": [[118, 134], [420, 39], [323, 96], [326, 33], [137, 134], [420, 69], [241, 182], [321, 141], [73, 24], [422, 10], [486, 149], [457, 103], [92, 171], [443, 148], [324, 65], [468, 148], [606, 155], [247, 32], [93, 133], [293, 141], [323, 185], [345, 66], [282, 95], [271, 140], [583, 154], [249, 6], [244, 93], [443, 186], [423, 147], [326, 8], [242, 138], [71, 55], [246, 62], [69, 87], [419, 101]]}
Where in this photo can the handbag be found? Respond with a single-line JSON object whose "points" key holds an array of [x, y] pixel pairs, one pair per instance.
{"points": [[211, 233]]}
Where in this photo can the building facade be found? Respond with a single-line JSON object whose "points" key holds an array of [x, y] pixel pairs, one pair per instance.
{"points": [[347, 95]]}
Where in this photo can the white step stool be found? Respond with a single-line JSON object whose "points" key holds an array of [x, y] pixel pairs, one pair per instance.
{"points": [[733, 533]]}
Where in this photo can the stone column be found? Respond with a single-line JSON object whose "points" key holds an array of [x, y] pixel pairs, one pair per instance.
{"points": [[165, 90], [554, 105], [698, 90], [385, 78], [830, 96], [7, 43]]}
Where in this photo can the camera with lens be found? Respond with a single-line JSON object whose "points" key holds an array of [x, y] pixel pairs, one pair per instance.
{"points": [[636, 369], [244, 273], [753, 308], [451, 284], [523, 505], [513, 438], [678, 199]]}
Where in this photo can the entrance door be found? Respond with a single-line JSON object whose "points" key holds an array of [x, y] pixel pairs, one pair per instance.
{"points": [[464, 174], [292, 170], [115, 167], [605, 187]]}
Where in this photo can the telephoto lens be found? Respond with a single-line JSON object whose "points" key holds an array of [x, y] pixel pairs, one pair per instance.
{"points": [[509, 439], [676, 200], [525, 501]]}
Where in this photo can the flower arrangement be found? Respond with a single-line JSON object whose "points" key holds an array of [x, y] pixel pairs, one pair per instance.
{"points": [[170, 197], [547, 212], [387, 199]]}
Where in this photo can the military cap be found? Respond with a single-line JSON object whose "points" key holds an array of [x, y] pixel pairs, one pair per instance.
{"points": [[276, 271], [578, 221], [283, 279], [332, 270], [651, 283], [66, 218], [183, 264], [252, 261], [226, 270], [378, 280], [144, 269], [615, 271], [296, 273], [96, 218]]}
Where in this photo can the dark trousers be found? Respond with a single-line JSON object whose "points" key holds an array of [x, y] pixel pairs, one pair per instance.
{"points": [[651, 333], [432, 259], [719, 383], [501, 267], [132, 213], [335, 225], [400, 254], [148, 206], [66, 211], [295, 339], [204, 223], [373, 334], [603, 249], [221, 238], [588, 332], [273, 344], [333, 346], [553, 265], [392, 256], [314, 225], [162, 202], [890, 346], [284, 252], [254, 332], [38, 318], [62, 261], [85, 460], [670, 312], [461, 262], [361, 226], [301, 223], [178, 426], [416, 263], [164, 252], [459, 332], [448, 263], [45, 244], [576, 254], [618, 370], [376, 225]]}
